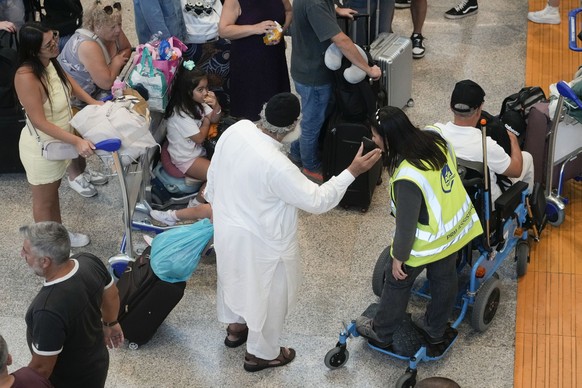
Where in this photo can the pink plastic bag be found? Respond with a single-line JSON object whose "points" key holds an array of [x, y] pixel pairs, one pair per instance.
{"points": [[168, 67]]}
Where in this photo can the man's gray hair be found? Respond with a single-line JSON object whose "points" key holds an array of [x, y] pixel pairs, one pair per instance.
{"points": [[3, 355], [465, 114], [48, 239], [263, 123]]}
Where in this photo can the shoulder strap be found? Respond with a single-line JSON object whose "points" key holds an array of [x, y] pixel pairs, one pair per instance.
{"points": [[91, 35]]}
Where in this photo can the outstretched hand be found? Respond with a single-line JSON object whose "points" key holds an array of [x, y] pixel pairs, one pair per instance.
{"points": [[363, 163]]}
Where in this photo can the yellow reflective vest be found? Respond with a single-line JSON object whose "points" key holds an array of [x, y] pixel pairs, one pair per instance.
{"points": [[453, 222]]}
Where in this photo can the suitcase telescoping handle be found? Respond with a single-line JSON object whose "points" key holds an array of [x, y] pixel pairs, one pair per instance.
{"points": [[346, 20]]}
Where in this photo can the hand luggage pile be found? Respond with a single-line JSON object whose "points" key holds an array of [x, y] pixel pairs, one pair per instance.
{"points": [[356, 104]]}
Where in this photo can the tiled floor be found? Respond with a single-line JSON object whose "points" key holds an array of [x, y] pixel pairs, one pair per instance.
{"points": [[549, 306], [339, 249]]}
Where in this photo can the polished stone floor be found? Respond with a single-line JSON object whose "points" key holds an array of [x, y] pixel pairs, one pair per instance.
{"points": [[339, 249]]}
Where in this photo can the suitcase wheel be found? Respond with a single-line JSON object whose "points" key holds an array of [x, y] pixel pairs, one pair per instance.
{"points": [[133, 346], [410, 103]]}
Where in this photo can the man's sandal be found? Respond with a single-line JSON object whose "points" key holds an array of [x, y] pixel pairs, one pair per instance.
{"points": [[241, 337], [255, 364]]}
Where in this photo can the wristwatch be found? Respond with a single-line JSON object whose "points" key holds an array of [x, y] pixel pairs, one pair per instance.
{"points": [[109, 324]]}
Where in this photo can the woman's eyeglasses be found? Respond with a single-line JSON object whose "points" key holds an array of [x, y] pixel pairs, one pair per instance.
{"points": [[108, 9], [53, 42]]}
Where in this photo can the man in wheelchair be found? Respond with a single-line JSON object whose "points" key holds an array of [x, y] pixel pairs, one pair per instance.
{"points": [[467, 104]]}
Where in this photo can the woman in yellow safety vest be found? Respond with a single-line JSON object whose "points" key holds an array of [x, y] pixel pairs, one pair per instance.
{"points": [[434, 219]]}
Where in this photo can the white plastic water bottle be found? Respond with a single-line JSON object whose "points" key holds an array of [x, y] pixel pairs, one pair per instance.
{"points": [[117, 88]]}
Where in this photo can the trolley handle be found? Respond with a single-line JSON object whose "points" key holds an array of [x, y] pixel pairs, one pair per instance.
{"points": [[109, 145], [567, 92], [572, 35]]}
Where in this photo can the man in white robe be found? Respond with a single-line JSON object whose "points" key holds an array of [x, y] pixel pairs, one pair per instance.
{"points": [[255, 191]]}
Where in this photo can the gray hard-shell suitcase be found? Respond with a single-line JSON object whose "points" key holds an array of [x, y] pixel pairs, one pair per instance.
{"points": [[393, 54]]}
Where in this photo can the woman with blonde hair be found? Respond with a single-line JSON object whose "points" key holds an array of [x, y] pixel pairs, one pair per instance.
{"points": [[94, 56]]}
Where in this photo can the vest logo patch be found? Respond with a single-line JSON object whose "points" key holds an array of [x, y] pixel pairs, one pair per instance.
{"points": [[447, 179]]}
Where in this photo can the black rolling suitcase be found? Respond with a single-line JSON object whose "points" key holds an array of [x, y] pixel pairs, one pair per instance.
{"points": [[11, 115], [11, 124], [145, 300], [354, 105], [341, 145]]}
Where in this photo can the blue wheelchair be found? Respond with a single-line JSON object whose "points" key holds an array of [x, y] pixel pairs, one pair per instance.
{"points": [[505, 237]]}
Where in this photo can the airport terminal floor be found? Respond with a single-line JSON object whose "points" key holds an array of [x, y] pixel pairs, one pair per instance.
{"points": [[534, 337]]}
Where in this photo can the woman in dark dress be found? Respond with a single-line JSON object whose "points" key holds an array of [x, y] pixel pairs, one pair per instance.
{"points": [[257, 71]]}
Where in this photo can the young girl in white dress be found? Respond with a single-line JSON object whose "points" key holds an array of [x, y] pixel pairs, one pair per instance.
{"points": [[190, 111]]}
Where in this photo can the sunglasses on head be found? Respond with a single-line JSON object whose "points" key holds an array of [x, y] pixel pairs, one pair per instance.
{"points": [[108, 9]]}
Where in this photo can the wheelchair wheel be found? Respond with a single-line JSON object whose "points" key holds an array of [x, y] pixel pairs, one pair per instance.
{"points": [[486, 304], [336, 357], [378, 274], [555, 212], [407, 380], [522, 257]]}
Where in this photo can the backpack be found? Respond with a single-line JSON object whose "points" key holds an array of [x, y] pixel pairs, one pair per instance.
{"points": [[8, 57], [523, 100], [497, 132]]}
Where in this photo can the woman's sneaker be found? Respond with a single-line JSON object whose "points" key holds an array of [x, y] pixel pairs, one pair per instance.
{"points": [[78, 240], [95, 177], [82, 186], [463, 9]]}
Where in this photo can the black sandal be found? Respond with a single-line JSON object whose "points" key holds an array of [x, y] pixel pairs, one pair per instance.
{"points": [[240, 335], [255, 364]]}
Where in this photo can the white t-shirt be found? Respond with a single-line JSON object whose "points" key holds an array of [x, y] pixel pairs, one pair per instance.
{"points": [[180, 128], [468, 145], [200, 28]]}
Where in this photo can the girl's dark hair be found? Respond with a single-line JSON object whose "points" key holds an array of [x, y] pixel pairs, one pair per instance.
{"points": [[30, 42], [425, 150], [181, 99]]}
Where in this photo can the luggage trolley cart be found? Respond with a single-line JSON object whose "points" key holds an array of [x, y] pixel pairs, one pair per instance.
{"points": [[118, 263], [565, 145], [133, 177]]}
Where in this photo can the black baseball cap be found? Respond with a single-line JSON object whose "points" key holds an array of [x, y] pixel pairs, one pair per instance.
{"points": [[467, 96]]}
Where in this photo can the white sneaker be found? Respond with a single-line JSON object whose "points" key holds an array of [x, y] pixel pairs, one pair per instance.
{"points": [[548, 15], [168, 217], [81, 186], [78, 240], [95, 177]]}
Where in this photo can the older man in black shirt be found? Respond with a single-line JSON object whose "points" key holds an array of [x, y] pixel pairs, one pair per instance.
{"points": [[74, 316]]}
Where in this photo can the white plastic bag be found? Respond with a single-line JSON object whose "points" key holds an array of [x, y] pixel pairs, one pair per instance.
{"points": [[116, 119]]}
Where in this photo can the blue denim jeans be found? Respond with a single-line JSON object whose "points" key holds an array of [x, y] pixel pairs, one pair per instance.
{"points": [[442, 275], [314, 106]]}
